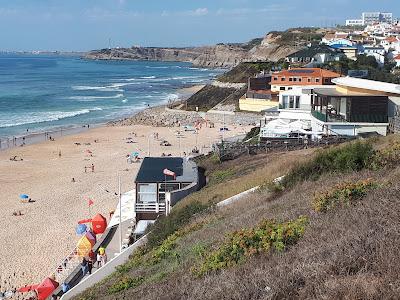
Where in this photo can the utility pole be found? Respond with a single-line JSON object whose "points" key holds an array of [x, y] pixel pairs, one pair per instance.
{"points": [[120, 213]]}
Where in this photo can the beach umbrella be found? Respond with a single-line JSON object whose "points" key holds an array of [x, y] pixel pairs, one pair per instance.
{"points": [[24, 196], [46, 288], [81, 229], [135, 153], [83, 247]]}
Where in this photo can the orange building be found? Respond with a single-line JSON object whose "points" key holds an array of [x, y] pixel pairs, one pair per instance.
{"points": [[286, 79]]}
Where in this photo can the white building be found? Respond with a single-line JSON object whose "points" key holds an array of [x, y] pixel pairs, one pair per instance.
{"points": [[368, 18], [355, 106], [295, 104], [376, 17], [354, 22]]}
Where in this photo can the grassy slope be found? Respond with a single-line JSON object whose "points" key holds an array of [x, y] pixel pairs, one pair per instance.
{"points": [[209, 96], [349, 252]]}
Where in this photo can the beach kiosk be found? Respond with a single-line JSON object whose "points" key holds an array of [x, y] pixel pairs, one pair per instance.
{"points": [[163, 181]]}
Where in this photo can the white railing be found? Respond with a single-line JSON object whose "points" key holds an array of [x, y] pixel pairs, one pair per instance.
{"points": [[150, 207], [68, 264]]}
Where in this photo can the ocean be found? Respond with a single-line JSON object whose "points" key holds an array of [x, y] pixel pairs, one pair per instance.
{"points": [[41, 93]]}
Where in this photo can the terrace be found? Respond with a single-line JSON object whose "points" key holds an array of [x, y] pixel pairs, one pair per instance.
{"points": [[330, 105]]}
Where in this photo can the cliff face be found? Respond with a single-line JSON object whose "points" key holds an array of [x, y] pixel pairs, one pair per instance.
{"points": [[221, 55]]}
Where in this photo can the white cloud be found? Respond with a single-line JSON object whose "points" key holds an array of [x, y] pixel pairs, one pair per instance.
{"points": [[199, 12], [273, 8], [196, 12]]}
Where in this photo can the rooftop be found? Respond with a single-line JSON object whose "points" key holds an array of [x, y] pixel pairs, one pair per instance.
{"points": [[367, 84], [151, 170], [312, 51], [309, 72], [336, 93]]}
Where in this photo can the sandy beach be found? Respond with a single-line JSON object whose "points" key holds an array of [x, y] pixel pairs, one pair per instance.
{"points": [[33, 244]]}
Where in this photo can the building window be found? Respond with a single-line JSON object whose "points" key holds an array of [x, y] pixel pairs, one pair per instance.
{"points": [[275, 78], [297, 101], [170, 187], [316, 79], [282, 78], [291, 101], [290, 79], [289, 88], [299, 79], [308, 79], [282, 88], [147, 192]]}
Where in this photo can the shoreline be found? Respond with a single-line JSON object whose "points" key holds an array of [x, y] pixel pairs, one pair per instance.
{"points": [[10, 142]]}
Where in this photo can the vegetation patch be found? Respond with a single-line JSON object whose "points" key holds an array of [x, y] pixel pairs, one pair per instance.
{"points": [[351, 157], [179, 217], [342, 194], [268, 235], [125, 283], [221, 175], [389, 156]]}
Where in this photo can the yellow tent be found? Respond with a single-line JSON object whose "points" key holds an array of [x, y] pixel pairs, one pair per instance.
{"points": [[84, 246]]}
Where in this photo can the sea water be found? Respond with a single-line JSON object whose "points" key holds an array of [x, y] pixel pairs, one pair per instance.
{"points": [[41, 93]]}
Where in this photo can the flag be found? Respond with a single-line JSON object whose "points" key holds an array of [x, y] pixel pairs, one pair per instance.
{"points": [[91, 202], [169, 173]]}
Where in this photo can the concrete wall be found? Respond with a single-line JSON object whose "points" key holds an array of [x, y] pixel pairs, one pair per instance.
{"points": [[256, 105], [175, 196], [104, 271]]}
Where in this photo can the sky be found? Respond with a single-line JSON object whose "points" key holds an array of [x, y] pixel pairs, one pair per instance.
{"points": [[80, 25]]}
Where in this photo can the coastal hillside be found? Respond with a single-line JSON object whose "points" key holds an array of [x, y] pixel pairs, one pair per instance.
{"points": [[273, 47], [328, 229]]}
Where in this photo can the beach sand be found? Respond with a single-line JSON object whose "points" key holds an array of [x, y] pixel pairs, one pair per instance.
{"points": [[35, 243]]}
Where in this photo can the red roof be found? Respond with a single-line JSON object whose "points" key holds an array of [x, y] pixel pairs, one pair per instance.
{"points": [[391, 39], [397, 57], [308, 72]]}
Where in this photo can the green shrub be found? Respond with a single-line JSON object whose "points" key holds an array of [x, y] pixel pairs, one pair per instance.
{"points": [[178, 218], [351, 157], [240, 244], [221, 175], [125, 283], [342, 194], [389, 156]]}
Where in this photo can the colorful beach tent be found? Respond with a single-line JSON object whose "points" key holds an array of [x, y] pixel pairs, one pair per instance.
{"points": [[24, 196], [43, 290], [91, 237], [81, 229], [99, 223], [46, 288], [84, 246]]}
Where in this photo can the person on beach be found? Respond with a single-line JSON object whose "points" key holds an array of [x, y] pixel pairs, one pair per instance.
{"points": [[103, 259], [59, 154], [90, 266], [85, 169], [98, 259], [65, 287], [84, 266], [92, 167], [73, 179]]}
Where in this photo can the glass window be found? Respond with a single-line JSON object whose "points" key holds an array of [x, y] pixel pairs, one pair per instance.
{"points": [[291, 101], [308, 79], [283, 79], [147, 192], [282, 88], [275, 78], [297, 101], [316, 79], [290, 79]]}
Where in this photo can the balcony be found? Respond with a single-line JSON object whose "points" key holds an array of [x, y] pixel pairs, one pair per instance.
{"points": [[150, 207], [304, 107]]}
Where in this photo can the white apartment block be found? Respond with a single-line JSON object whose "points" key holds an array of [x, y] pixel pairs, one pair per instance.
{"points": [[368, 18]]}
